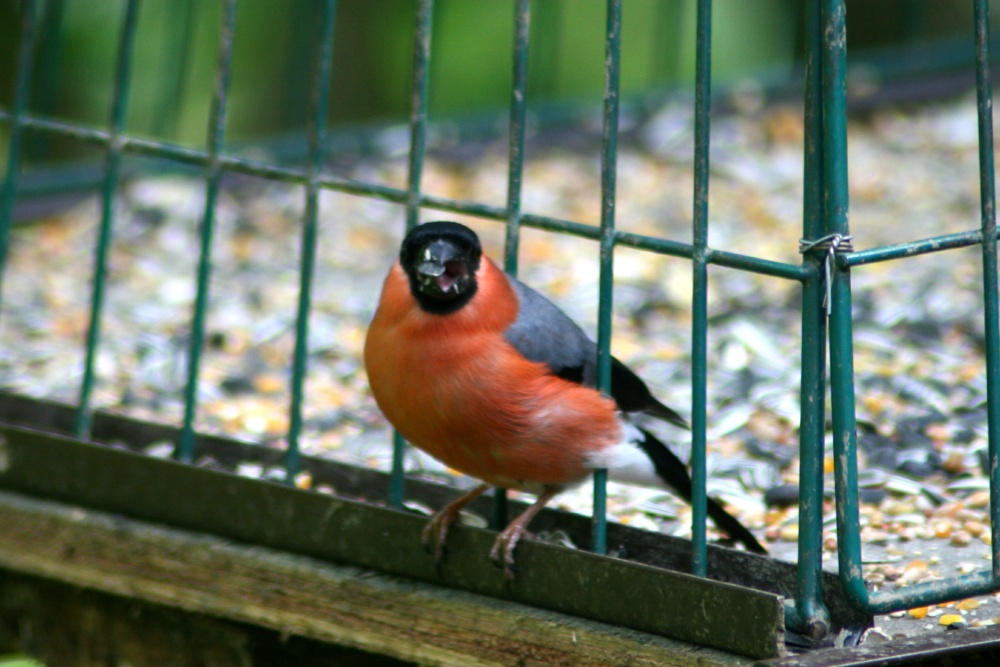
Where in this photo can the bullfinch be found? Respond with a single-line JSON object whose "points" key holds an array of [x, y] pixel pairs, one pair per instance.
{"points": [[491, 378]]}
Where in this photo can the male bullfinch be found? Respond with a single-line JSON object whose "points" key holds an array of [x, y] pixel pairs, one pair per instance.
{"points": [[488, 376]]}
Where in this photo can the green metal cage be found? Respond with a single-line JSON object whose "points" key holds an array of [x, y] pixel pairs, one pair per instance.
{"points": [[827, 251]]}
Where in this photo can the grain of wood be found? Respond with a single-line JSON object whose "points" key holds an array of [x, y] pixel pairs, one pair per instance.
{"points": [[299, 596]]}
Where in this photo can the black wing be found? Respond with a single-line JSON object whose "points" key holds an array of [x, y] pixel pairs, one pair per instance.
{"points": [[544, 333]]}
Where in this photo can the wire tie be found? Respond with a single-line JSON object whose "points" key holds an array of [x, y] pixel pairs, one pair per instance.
{"points": [[830, 245]]}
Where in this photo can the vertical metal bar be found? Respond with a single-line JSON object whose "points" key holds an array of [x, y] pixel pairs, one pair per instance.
{"points": [[112, 171], [22, 92], [518, 108], [213, 177], [699, 326], [418, 143], [515, 171], [987, 194], [609, 174], [808, 613], [317, 142], [841, 335]]}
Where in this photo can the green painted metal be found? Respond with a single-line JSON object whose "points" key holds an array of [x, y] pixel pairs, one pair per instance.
{"points": [[606, 279], [216, 140], [330, 182], [109, 192], [841, 345], [22, 92], [807, 612], [911, 248], [699, 304], [987, 195], [515, 174], [413, 200], [310, 223], [518, 113]]}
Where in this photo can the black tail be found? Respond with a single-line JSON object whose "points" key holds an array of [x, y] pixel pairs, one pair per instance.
{"points": [[674, 473]]}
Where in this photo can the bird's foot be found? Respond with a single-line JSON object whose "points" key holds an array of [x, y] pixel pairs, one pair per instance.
{"points": [[502, 552], [436, 532]]}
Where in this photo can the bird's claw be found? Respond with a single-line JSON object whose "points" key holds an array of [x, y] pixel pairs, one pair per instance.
{"points": [[434, 535], [502, 552]]}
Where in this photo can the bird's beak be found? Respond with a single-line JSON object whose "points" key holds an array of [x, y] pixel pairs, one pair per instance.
{"points": [[430, 268], [441, 268], [434, 258]]}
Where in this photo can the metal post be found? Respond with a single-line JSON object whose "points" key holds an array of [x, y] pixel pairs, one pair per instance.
{"points": [[418, 144], [25, 66], [841, 343], [699, 325], [515, 172], [317, 143], [609, 172], [213, 178], [808, 613], [109, 191], [987, 194]]}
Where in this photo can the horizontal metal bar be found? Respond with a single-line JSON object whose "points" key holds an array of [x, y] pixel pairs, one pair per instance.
{"points": [[766, 267], [911, 249], [639, 241], [330, 182], [921, 594]]}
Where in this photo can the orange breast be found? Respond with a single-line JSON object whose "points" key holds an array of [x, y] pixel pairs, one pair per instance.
{"points": [[454, 387]]}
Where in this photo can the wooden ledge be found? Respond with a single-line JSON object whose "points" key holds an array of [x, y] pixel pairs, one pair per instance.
{"points": [[301, 596]]}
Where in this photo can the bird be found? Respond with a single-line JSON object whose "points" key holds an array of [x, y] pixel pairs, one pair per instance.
{"points": [[491, 378]]}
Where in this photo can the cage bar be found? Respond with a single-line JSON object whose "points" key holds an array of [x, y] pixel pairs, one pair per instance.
{"points": [[515, 173], [987, 195], [15, 120], [518, 113], [310, 223], [418, 146], [807, 612], [109, 192], [285, 174], [213, 178], [699, 303], [606, 279], [841, 345]]}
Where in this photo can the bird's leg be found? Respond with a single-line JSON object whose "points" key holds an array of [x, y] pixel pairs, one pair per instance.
{"points": [[503, 549], [437, 528]]}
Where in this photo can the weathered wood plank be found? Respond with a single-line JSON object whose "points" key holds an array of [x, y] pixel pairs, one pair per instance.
{"points": [[302, 596], [69, 626], [335, 529], [650, 548]]}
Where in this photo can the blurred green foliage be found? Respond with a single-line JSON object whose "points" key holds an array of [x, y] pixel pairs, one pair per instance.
{"points": [[18, 661], [177, 42]]}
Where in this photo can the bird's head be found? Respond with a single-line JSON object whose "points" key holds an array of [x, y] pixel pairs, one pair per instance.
{"points": [[441, 260]]}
